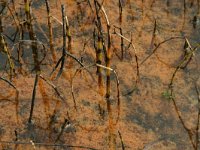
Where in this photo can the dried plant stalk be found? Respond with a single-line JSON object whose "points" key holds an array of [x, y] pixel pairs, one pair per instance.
{"points": [[64, 41], [32, 34], [112, 144], [153, 36], [100, 48], [198, 117], [33, 99], [68, 34], [111, 125], [62, 130], [50, 31], [122, 42], [135, 53], [122, 143], [62, 58], [27, 8], [54, 87], [120, 11], [5, 50], [69, 45], [99, 57]]}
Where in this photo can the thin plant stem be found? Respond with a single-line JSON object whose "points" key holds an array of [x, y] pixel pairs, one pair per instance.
{"points": [[135, 53], [64, 41], [54, 87], [172, 96], [33, 99], [4, 47], [153, 36], [156, 48], [9, 82], [122, 143], [198, 116], [62, 130], [51, 43], [120, 11], [27, 7]]}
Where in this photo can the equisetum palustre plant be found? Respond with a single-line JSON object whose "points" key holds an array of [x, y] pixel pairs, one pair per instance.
{"points": [[67, 65]]}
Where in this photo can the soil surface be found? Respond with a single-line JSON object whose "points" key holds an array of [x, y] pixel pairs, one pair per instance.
{"points": [[68, 115]]}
